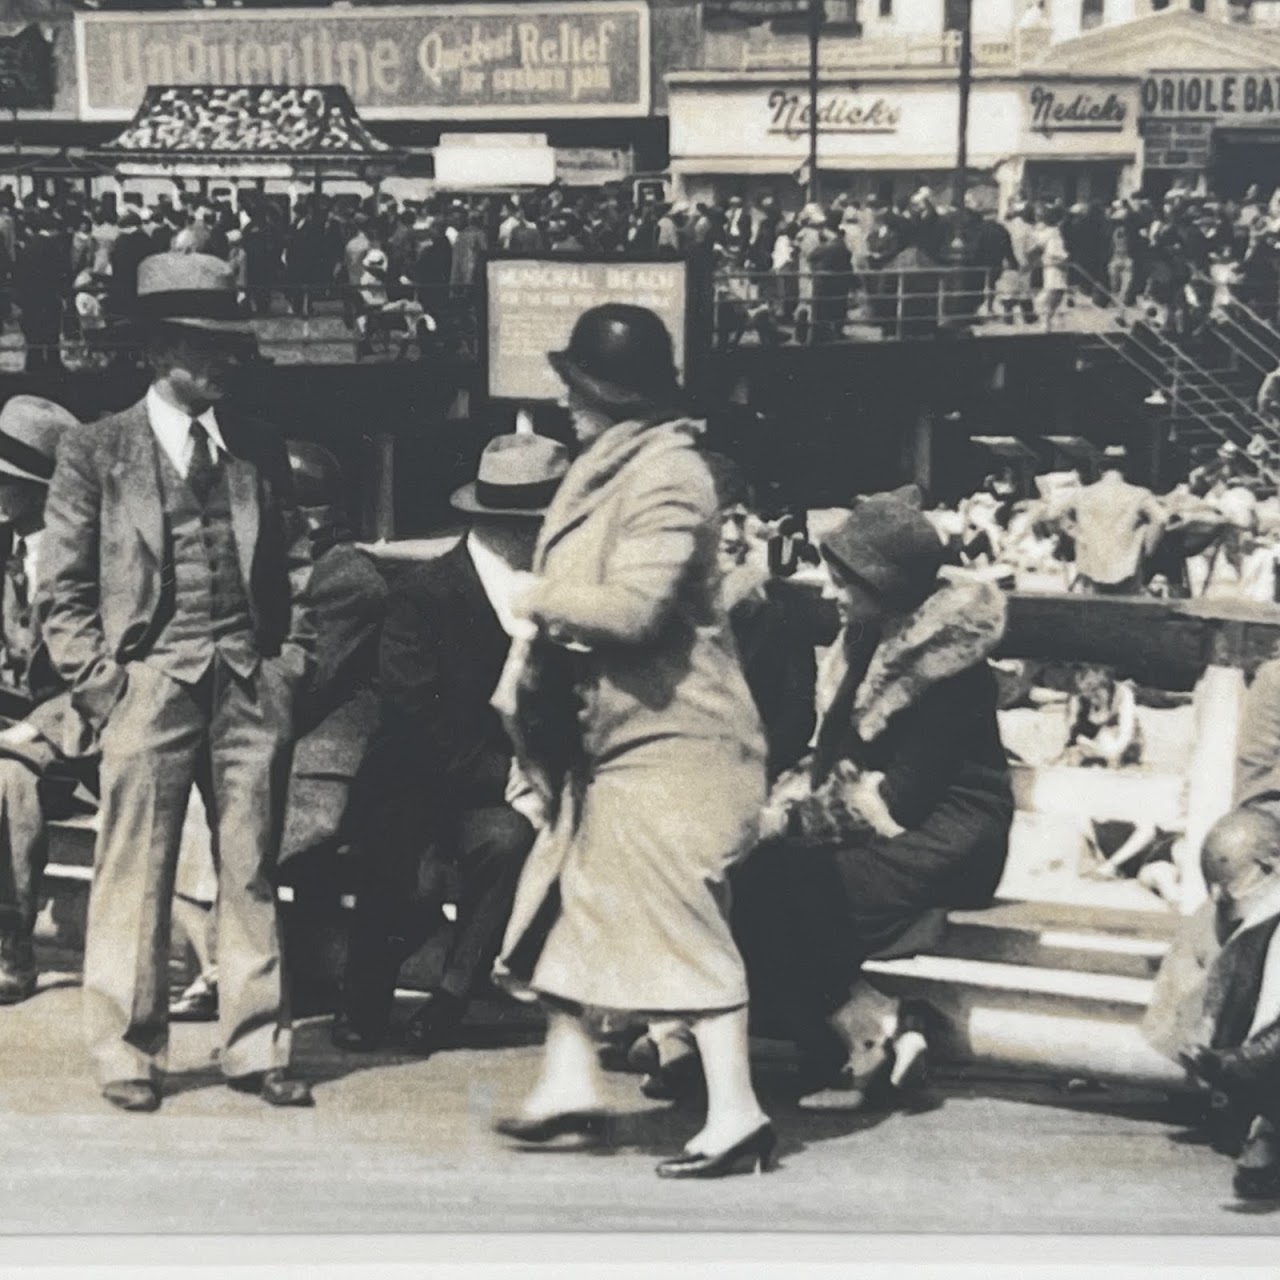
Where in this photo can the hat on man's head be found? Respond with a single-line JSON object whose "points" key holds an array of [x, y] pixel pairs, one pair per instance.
{"points": [[518, 475], [888, 545], [30, 428], [194, 290]]}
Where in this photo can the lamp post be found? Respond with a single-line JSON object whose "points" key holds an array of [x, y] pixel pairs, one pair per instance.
{"points": [[815, 31], [966, 75]]}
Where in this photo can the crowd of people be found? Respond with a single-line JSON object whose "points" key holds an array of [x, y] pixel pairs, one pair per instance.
{"points": [[1214, 535], [70, 263], [599, 727]]}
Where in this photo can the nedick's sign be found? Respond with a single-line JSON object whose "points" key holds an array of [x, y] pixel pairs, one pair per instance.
{"points": [[456, 62], [1066, 109], [1200, 94]]}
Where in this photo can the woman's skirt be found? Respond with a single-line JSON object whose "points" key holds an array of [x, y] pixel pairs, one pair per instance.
{"points": [[627, 909]]}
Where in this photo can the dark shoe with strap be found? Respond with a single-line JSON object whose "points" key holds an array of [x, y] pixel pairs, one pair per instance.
{"points": [[277, 1088], [17, 968], [435, 1024], [132, 1095]]}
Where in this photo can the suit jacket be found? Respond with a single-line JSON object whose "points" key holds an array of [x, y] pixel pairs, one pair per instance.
{"points": [[441, 655], [107, 588], [337, 714]]}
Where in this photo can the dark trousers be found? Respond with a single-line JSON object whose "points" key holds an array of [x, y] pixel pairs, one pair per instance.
{"points": [[231, 736], [408, 874]]}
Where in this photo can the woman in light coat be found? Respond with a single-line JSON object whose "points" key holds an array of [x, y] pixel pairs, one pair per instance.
{"points": [[656, 779]]}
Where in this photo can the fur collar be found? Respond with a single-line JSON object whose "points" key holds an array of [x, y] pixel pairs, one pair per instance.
{"points": [[957, 627]]}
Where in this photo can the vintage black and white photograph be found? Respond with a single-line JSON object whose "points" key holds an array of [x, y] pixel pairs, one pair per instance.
{"points": [[640, 616]]}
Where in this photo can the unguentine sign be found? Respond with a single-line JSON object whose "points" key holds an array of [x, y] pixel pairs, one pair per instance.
{"points": [[531, 61]]}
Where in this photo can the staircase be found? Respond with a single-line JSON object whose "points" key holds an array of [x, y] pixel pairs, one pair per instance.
{"points": [[1057, 975], [1211, 394]]}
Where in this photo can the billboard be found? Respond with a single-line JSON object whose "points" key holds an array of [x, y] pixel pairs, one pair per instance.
{"points": [[532, 305], [455, 62]]}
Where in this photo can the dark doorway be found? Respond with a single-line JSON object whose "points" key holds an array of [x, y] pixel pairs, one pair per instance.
{"points": [[1241, 159]]}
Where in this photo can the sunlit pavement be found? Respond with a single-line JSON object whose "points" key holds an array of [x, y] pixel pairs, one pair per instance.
{"points": [[403, 1144]]}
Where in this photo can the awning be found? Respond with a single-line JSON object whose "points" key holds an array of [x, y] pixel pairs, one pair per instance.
{"points": [[790, 165], [262, 132]]}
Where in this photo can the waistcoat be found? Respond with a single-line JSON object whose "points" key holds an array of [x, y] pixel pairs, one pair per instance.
{"points": [[209, 606]]}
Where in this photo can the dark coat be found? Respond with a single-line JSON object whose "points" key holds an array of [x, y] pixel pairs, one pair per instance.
{"points": [[337, 713], [810, 908], [107, 586], [441, 654]]}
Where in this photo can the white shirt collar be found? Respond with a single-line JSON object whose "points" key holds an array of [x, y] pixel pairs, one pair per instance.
{"points": [[499, 580], [172, 429]]}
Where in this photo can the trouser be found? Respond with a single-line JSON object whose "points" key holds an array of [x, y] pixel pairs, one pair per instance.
{"points": [[23, 847], [231, 737], [398, 905]]}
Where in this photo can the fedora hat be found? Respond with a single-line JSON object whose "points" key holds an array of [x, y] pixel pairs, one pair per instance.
{"points": [[620, 358], [30, 427], [518, 476], [194, 290]]}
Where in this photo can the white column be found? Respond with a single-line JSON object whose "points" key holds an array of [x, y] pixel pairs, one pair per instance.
{"points": [[1115, 11]]}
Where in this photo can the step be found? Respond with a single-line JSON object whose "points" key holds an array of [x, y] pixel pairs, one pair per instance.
{"points": [[1067, 1022], [1034, 935]]}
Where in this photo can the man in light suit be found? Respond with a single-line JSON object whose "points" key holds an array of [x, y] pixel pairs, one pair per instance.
{"points": [[170, 537]]}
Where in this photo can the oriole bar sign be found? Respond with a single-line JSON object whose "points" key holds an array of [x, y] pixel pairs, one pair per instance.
{"points": [[451, 62]]}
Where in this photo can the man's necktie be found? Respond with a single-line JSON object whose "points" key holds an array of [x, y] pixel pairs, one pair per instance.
{"points": [[202, 471]]}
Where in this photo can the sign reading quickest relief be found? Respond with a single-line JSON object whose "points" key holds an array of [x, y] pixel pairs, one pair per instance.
{"points": [[533, 305]]}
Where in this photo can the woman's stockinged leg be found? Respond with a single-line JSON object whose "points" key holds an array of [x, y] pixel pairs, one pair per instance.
{"points": [[570, 1079], [733, 1109]]}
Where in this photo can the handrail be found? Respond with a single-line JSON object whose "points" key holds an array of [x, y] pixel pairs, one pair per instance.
{"points": [[880, 51]]}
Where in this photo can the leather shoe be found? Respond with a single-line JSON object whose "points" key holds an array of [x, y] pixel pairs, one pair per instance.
{"points": [[17, 969], [198, 1003], [352, 1036], [433, 1025], [276, 1088], [1257, 1172], [132, 1095], [593, 1124]]}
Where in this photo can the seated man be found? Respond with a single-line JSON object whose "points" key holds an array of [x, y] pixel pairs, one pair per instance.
{"points": [[1235, 1049], [432, 800], [335, 719], [44, 751]]}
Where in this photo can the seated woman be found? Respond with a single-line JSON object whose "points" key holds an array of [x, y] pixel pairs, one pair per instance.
{"points": [[902, 810]]}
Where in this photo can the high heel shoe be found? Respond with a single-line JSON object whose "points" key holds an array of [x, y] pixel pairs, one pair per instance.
{"points": [[758, 1145], [592, 1124]]}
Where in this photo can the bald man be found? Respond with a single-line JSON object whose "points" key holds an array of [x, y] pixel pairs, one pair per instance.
{"points": [[1234, 1044]]}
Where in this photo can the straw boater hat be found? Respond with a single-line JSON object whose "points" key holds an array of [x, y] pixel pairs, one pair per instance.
{"points": [[30, 428], [193, 290], [518, 476]]}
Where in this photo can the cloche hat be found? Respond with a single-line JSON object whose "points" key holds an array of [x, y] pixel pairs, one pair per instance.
{"points": [[887, 544], [620, 357]]}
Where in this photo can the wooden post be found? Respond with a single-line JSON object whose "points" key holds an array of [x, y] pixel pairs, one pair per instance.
{"points": [[379, 499], [922, 452]]}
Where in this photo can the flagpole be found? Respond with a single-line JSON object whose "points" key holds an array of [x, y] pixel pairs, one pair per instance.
{"points": [[815, 29]]}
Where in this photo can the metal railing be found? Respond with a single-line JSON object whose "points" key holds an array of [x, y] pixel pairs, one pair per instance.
{"points": [[775, 308], [293, 323], [879, 51]]}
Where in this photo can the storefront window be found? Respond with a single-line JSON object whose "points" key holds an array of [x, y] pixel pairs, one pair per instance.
{"points": [[1091, 14]]}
